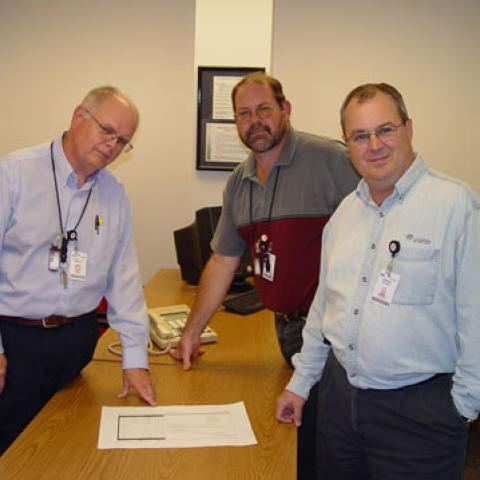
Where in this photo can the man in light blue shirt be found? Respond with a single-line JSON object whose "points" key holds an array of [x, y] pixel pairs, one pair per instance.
{"points": [[394, 330], [66, 242]]}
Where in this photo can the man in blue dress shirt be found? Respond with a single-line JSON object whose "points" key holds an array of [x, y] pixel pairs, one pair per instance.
{"points": [[66, 242], [393, 332]]}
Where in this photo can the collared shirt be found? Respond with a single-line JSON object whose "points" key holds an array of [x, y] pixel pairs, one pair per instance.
{"points": [[432, 324], [309, 180], [29, 224]]}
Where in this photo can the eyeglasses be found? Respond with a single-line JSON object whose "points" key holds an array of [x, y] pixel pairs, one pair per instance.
{"points": [[386, 133], [110, 134], [262, 112]]}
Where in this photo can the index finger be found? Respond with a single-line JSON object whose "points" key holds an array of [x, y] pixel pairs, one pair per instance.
{"points": [[181, 355], [147, 393]]}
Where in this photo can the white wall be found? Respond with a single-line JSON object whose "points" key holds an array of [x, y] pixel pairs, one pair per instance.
{"points": [[52, 52], [227, 35], [428, 49], [234, 33]]}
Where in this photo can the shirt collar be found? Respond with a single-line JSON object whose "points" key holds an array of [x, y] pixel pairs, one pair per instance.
{"points": [[63, 169], [403, 185], [286, 155]]}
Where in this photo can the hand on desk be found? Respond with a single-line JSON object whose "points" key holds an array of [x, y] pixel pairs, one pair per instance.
{"points": [[187, 350], [289, 408], [138, 379], [216, 279], [3, 371]]}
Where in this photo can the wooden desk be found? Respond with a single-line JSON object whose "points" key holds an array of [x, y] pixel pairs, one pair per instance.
{"points": [[61, 442], [167, 288], [245, 341]]}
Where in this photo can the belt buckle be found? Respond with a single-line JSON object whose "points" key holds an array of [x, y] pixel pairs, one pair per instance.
{"points": [[294, 317], [45, 323]]}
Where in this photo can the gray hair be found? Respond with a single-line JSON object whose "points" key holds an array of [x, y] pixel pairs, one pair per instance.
{"points": [[98, 95]]}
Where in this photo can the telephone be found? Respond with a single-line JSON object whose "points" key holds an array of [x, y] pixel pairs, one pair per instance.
{"points": [[166, 327], [167, 324]]}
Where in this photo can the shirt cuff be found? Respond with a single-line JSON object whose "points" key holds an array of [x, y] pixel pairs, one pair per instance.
{"points": [[299, 385], [462, 409], [135, 357]]}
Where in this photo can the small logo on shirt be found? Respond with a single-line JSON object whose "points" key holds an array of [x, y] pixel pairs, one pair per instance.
{"points": [[412, 238]]}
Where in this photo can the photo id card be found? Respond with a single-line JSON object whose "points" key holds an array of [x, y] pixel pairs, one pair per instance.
{"points": [[268, 270], [257, 269], [385, 288], [53, 258], [78, 265]]}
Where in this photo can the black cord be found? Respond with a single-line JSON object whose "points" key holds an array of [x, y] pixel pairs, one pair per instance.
{"points": [[71, 234]]}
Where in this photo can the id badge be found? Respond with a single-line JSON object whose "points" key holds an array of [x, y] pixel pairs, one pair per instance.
{"points": [[256, 266], [385, 288], [268, 270], [53, 258], [78, 265]]}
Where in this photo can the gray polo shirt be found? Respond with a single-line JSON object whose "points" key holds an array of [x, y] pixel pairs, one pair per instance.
{"points": [[311, 177]]}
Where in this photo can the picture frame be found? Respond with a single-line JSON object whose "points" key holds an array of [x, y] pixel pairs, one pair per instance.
{"points": [[218, 144]]}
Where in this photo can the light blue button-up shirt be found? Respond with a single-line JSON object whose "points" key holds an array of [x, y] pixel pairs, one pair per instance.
{"points": [[29, 224], [433, 322]]}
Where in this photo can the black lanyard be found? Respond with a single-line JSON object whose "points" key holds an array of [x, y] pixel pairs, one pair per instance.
{"points": [[70, 234], [272, 201]]}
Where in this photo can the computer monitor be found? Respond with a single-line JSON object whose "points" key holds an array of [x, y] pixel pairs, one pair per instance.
{"points": [[192, 245]]}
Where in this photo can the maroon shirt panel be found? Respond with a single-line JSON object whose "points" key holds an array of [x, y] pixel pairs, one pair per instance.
{"points": [[296, 242]]}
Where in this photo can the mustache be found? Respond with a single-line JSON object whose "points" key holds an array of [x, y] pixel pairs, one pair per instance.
{"points": [[255, 128], [379, 153]]}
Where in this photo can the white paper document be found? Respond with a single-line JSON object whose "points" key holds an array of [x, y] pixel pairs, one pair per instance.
{"points": [[222, 91], [223, 144], [175, 426]]}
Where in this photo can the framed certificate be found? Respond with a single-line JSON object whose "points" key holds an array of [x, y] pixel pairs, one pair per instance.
{"points": [[218, 145]]}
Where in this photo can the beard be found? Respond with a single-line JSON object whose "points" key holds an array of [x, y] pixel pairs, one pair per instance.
{"points": [[260, 138]]}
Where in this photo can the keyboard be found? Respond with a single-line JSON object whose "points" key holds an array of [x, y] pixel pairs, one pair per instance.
{"points": [[244, 303]]}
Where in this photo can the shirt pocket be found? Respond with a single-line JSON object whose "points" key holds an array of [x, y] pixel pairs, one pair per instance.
{"points": [[418, 271], [103, 245]]}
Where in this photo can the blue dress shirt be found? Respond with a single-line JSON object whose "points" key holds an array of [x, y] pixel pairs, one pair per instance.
{"points": [[29, 224], [433, 322]]}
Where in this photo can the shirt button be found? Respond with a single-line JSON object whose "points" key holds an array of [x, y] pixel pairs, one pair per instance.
{"points": [[351, 346], [364, 279], [381, 214], [355, 312], [373, 246], [353, 374]]}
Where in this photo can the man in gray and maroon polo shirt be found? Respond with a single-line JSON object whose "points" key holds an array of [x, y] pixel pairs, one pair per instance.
{"points": [[276, 204]]}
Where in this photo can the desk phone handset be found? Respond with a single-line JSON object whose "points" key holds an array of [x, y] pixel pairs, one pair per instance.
{"points": [[167, 324]]}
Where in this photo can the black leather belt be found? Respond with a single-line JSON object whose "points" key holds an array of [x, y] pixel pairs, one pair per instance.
{"points": [[51, 321], [291, 317], [431, 379]]}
